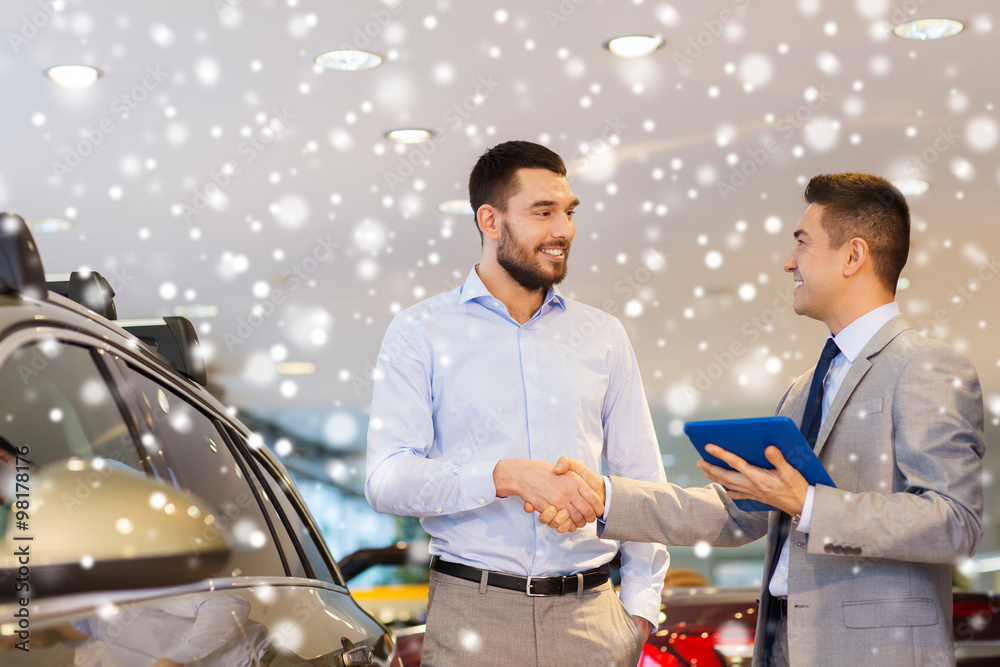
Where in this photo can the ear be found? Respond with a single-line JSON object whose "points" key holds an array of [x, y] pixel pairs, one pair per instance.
{"points": [[488, 218], [858, 254]]}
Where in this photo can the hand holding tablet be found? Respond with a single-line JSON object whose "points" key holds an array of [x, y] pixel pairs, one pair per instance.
{"points": [[748, 439]]}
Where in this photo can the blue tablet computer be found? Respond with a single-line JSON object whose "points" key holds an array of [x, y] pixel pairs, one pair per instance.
{"points": [[748, 438]]}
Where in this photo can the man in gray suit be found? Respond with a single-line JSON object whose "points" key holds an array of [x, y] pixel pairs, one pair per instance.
{"points": [[864, 574]]}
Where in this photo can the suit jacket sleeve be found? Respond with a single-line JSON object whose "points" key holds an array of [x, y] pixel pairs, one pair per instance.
{"points": [[675, 516], [935, 513]]}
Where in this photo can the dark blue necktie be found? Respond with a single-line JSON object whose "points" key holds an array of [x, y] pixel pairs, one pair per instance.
{"points": [[813, 416], [811, 420]]}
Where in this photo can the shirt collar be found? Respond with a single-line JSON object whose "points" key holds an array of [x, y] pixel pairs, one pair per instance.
{"points": [[474, 289], [853, 338]]}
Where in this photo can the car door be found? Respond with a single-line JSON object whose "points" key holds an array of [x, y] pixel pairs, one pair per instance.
{"points": [[252, 622], [276, 550], [66, 397]]}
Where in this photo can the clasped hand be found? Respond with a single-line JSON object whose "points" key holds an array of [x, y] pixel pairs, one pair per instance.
{"points": [[561, 518], [782, 487], [540, 485]]}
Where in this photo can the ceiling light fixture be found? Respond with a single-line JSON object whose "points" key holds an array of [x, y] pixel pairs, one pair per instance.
{"points": [[348, 60], [409, 135], [74, 77], [48, 225], [929, 28], [456, 207], [912, 186], [633, 46], [296, 368]]}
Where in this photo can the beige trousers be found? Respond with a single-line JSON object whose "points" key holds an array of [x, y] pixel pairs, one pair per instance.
{"points": [[470, 625]]}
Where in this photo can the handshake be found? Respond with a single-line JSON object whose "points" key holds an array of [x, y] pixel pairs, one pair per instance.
{"points": [[567, 496], [571, 495]]}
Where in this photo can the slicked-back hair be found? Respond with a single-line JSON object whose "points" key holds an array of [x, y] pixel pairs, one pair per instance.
{"points": [[857, 205], [494, 178]]}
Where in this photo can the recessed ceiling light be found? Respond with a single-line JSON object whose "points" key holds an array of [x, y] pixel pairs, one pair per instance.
{"points": [[912, 186], [349, 60], [456, 207], [296, 368], [75, 77], [633, 46], [931, 28], [48, 225], [196, 311], [409, 136]]}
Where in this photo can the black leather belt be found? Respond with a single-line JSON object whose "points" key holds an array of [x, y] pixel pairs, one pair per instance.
{"points": [[533, 586]]}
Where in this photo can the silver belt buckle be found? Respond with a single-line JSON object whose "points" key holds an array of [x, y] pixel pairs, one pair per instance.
{"points": [[527, 589]]}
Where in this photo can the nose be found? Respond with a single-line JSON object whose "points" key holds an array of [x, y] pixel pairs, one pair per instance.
{"points": [[790, 263], [563, 228]]}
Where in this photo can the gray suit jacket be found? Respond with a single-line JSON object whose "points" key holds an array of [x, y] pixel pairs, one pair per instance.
{"points": [[871, 582]]}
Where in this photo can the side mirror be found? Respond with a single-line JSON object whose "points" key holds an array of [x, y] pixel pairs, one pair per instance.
{"points": [[95, 526]]}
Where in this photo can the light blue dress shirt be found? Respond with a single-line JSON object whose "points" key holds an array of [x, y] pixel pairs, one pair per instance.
{"points": [[851, 340], [461, 385]]}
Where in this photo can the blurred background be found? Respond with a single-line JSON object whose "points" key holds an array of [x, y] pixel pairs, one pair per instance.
{"points": [[225, 166]]}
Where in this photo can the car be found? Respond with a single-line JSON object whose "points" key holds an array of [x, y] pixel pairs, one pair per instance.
{"points": [[700, 626], [715, 626], [142, 524]]}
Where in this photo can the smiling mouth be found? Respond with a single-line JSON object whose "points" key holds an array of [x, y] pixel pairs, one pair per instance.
{"points": [[554, 253], [799, 283]]}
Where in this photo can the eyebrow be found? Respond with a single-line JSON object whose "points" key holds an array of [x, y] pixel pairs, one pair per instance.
{"points": [[548, 202], [800, 232]]}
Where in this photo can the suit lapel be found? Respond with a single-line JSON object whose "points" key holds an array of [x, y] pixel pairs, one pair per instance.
{"points": [[859, 368]]}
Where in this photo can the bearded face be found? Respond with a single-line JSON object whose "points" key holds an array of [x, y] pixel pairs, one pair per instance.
{"points": [[534, 267]]}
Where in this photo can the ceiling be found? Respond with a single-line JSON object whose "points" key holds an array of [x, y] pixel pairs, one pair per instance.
{"points": [[327, 228]]}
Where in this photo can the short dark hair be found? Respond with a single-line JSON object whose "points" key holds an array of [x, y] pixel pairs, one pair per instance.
{"points": [[494, 178], [857, 205]]}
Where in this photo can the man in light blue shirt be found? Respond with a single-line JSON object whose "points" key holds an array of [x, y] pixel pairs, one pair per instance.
{"points": [[479, 391]]}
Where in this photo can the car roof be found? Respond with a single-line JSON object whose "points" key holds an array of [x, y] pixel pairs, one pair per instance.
{"points": [[19, 312], [27, 301]]}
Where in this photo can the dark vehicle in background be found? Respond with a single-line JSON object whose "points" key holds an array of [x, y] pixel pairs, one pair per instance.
{"points": [[714, 627], [141, 523], [699, 627]]}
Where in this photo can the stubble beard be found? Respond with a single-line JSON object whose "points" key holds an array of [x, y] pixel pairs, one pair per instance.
{"points": [[521, 265]]}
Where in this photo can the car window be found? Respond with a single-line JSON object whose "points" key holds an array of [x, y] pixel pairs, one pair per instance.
{"points": [[199, 459], [308, 538], [296, 522], [294, 556], [55, 400]]}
